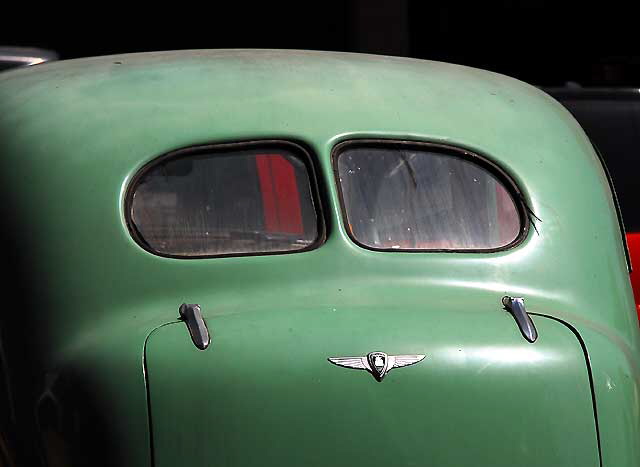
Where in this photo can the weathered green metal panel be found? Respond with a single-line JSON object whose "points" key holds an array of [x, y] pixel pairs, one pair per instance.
{"points": [[265, 394], [73, 133]]}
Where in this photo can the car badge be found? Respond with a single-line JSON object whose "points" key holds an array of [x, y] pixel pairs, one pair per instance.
{"points": [[377, 363]]}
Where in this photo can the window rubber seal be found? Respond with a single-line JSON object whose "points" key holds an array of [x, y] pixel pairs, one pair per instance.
{"points": [[445, 149], [298, 149]]}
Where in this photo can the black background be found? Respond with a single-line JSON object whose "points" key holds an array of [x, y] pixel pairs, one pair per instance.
{"points": [[541, 42]]}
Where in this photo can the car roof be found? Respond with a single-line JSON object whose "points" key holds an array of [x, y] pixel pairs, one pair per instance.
{"points": [[266, 93]]}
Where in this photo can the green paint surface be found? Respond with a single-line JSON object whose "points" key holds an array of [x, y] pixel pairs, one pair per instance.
{"points": [[265, 394], [73, 133]]}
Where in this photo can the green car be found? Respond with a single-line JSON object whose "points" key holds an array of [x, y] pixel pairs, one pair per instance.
{"points": [[286, 258]]}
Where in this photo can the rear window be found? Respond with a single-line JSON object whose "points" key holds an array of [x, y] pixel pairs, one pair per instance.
{"points": [[423, 197], [226, 200]]}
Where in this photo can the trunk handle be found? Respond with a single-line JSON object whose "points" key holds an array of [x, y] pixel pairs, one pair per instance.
{"points": [[515, 306], [192, 316]]}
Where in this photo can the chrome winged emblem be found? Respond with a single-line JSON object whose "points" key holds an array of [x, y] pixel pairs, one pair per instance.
{"points": [[377, 363]]}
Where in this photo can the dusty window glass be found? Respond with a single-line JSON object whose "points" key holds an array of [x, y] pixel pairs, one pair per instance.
{"points": [[225, 203], [421, 199]]}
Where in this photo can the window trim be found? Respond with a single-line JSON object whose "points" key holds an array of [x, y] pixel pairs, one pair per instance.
{"points": [[507, 182], [304, 154]]}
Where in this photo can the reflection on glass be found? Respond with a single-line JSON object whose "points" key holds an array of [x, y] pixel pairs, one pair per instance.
{"points": [[422, 200], [226, 203]]}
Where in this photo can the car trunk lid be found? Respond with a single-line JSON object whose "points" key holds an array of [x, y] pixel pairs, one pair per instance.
{"points": [[264, 392]]}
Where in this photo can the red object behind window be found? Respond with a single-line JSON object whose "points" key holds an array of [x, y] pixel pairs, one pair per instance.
{"points": [[504, 205], [280, 196], [633, 241]]}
